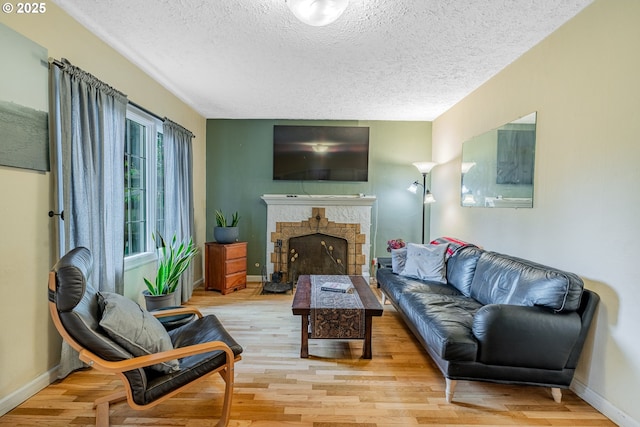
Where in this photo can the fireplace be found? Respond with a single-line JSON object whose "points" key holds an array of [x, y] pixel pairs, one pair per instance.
{"points": [[308, 234]]}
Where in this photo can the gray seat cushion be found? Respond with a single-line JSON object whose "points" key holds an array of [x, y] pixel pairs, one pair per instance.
{"points": [[205, 329], [395, 285], [444, 322]]}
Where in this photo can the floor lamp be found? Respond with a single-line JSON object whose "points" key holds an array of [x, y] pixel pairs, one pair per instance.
{"points": [[427, 197]]}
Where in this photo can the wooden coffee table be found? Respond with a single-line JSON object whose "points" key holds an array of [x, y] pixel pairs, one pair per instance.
{"points": [[302, 306]]}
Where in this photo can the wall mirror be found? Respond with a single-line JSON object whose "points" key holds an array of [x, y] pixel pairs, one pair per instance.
{"points": [[498, 166]]}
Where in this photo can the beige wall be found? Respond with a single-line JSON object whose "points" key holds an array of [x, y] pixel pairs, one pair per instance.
{"points": [[584, 83], [29, 346]]}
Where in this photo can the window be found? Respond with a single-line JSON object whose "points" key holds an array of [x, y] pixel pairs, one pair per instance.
{"points": [[143, 186]]}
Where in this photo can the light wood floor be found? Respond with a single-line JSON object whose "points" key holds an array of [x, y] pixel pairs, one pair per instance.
{"points": [[400, 386]]}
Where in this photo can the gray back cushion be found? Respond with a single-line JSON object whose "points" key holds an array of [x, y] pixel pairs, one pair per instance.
{"points": [[134, 328], [461, 267], [77, 305], [502, 279]]}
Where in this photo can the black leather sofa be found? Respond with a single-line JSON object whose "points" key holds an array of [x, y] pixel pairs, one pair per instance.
{"points": [[497, 318]]}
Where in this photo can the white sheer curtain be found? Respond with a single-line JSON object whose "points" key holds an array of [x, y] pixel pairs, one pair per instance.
{"points": [[87, 122], [178, 181]]}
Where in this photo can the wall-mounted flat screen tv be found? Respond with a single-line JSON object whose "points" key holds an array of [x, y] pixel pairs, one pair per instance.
{"points": [[320, 153]]}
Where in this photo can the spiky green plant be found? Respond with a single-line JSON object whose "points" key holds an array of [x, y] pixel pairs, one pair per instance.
{"points": [[221, 220], [173, 260]]}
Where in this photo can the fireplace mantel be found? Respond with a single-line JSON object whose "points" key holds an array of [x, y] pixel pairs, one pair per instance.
{"points": [[322, 200], [346, 209]]}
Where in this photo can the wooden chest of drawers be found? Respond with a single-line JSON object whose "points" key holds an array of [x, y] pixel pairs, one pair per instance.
{"points": [[225, 266]]}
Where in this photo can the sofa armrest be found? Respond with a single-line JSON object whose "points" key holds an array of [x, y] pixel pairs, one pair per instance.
{"points": [[533, 337], [384, 262]]}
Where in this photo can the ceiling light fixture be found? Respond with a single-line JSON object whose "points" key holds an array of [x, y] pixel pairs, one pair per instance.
{"points": [[317, 12]]}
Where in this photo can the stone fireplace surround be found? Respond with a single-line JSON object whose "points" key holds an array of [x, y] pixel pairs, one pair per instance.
{"points": [[343, 216]]}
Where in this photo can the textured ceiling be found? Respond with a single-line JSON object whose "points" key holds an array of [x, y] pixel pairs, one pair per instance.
{"points": [[381, 60]]}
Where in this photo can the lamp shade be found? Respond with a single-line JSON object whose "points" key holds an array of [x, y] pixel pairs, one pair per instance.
{"points": [[428, 197], [424, 167], [317, 12]]}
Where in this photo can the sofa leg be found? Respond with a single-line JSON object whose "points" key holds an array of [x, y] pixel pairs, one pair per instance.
{"points": [[557, 394], [450, 389], [384, 298]]}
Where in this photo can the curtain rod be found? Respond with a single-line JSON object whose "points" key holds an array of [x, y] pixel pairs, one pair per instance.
{"points": [[55, 62], [164, 120], [151, 113]]}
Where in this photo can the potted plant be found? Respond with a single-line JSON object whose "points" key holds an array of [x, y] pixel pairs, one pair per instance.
{"points": [[225, 231], [173, 260]]}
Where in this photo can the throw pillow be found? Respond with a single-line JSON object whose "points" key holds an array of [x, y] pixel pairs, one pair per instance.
{"points": [[398, 260], [135, 329], [426, 262]]}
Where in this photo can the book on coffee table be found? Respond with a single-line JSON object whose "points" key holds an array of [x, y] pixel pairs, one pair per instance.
{"points": [[337, 287]]}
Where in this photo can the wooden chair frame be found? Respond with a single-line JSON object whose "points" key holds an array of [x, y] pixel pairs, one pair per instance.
{"points": [[101, 404]]}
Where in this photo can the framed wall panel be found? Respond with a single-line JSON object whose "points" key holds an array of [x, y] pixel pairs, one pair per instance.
{"points": [[24, 106]]}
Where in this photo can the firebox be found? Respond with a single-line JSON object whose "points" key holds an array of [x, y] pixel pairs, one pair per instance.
{"points": [[317, 253]]}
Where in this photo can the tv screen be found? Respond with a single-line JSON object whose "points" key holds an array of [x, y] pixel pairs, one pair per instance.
{"points": [[320, 153]]}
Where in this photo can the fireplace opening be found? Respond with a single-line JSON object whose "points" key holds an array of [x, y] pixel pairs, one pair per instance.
{"points": [[317, 254]]}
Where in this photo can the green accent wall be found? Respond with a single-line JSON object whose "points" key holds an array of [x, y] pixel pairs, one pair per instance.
{"points": [[239, 171]]}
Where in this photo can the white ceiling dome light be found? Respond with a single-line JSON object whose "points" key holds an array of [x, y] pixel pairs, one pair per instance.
{"points": [[317, 12]]}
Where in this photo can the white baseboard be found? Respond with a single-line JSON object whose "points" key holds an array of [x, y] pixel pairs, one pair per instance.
{"points": [[14, 399], [256, 278], [604, 406]]}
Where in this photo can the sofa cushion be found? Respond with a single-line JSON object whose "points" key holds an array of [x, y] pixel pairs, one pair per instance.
{"points": [[502, 279], [204, 329], [398, 259], [135, 329], [390, 283], [444, 322], [461, 267], [394, 285], [426, 262]]}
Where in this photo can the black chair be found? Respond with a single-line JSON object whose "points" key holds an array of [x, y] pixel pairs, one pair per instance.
{"points": [[201, 347]]}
